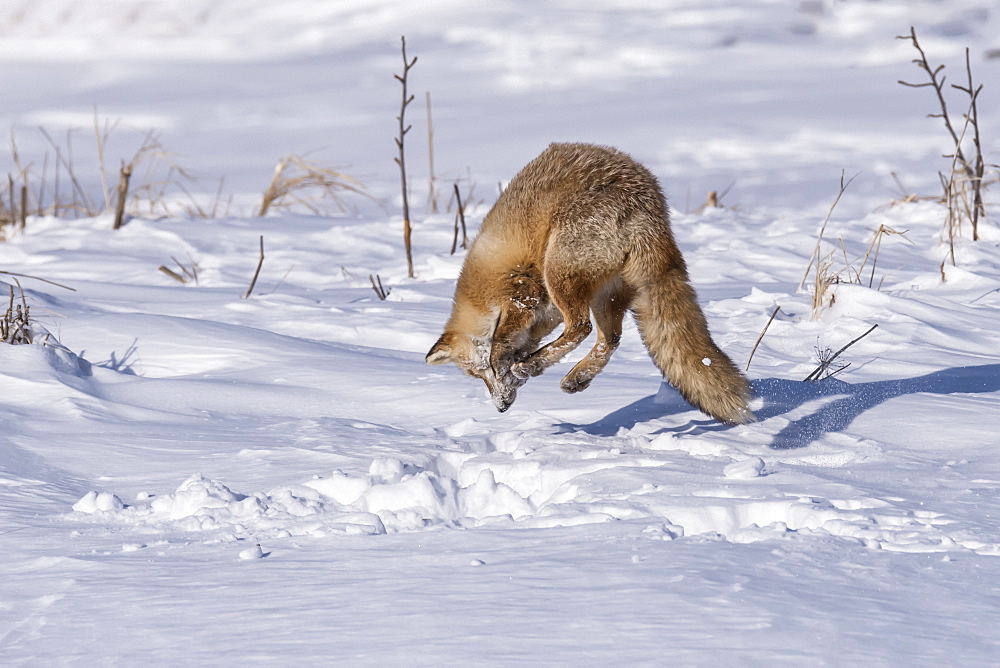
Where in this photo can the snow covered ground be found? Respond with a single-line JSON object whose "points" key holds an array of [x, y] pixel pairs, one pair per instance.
{"points": [[194, 477]]}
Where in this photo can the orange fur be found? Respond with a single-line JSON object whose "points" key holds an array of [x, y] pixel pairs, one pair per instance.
{"points": [[580, 236]]}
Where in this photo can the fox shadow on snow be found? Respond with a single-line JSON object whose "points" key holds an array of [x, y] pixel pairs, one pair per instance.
{"points": [[783, 396]]}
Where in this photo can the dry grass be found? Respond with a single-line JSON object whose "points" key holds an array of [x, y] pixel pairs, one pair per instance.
{"points": [[855, 275], [18, 324], [298, 181], [148, 180], [853, 271], [822, 264], [158, 173], [823, 276], [54, 188], [816, 256]]}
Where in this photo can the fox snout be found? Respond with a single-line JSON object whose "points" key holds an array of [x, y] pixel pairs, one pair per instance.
{"points": [[503, 397], [500, 382], [503, 385]]}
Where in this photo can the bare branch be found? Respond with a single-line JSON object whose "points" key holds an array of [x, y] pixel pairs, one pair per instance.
{"points": [[401, 160], [825, 364], [43, 280], [126, 174], [459, 218], [260, 263], [377, 287], [761, 337]]}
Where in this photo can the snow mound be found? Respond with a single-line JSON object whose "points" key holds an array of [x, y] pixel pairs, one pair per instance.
{"points": [[98, 502], [516, 490], [748, 468], [201, 504]]}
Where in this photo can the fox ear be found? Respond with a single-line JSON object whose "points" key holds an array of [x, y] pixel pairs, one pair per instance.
{"points": [[441, 352]]}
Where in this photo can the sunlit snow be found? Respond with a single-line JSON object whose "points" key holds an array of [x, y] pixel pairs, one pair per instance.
{"points": [[191, 477]]}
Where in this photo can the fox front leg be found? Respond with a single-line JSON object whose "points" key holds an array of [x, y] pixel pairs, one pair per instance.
{"points": [[526, 315], [511, 343], [547, 355]]}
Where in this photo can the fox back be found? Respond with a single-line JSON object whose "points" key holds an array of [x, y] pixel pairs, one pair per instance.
{"points": [[580, 236]]}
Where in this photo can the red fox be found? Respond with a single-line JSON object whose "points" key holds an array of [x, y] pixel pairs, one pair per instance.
{"points": [[583, 230]]}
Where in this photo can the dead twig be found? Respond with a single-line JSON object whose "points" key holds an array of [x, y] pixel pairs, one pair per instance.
{"points": [[15, 327], [37, 278], [24, 206], [825, 363], [124, 176], [713, 199], [172, 274], [978, 168], [432, 202], [377, 287], [761, 337], [187, 275], [459, 218], [256, 273], [278, 284]]}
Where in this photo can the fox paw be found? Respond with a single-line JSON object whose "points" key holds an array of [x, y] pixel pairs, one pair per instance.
{"points": [[525, 370], [575, 383]]}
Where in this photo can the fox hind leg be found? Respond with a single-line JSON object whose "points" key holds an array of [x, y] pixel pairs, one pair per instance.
{"points": [[609, 308]]}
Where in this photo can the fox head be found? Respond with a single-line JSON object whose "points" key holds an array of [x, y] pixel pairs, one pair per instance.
{"points": [[475, 356]]}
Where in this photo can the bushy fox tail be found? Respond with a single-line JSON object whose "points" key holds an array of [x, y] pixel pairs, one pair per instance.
{"points": [[676, 334]]}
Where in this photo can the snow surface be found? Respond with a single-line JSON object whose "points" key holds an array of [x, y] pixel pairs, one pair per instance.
{"points": [[190, 477]]}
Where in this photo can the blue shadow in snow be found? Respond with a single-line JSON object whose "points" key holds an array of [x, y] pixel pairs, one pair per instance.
{"points": [[783, 396]]}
